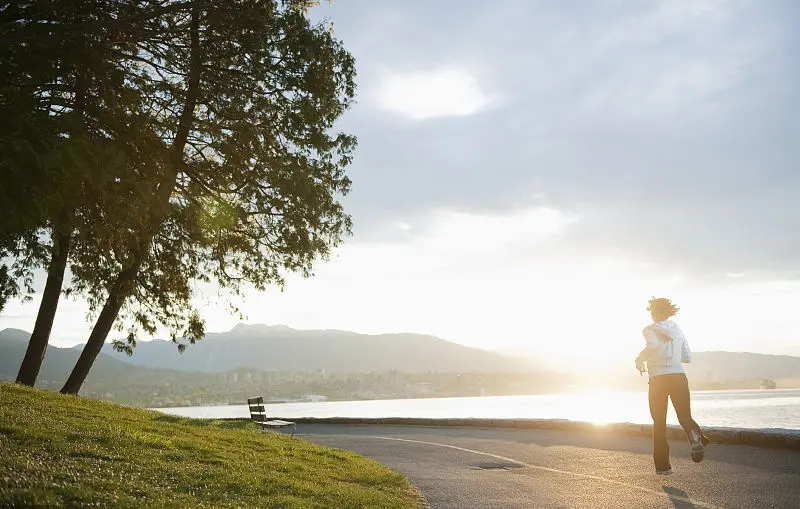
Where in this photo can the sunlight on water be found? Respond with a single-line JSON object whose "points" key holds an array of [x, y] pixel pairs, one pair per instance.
{"points": [[746, 409]]}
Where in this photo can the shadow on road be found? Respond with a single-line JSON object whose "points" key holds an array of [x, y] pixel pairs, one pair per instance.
{"points": [[679, 498]]}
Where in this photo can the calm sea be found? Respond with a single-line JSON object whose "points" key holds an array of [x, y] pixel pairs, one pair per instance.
{"points": [[778, 408]]}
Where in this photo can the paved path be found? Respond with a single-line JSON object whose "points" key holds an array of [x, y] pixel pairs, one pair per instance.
{"points": [[465, 468]]}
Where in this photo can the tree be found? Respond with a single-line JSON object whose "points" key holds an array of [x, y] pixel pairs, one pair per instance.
{"points": [[73, 123], [247, 94]]}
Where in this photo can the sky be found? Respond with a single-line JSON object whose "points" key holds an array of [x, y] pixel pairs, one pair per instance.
{"points": [[529, 173]]}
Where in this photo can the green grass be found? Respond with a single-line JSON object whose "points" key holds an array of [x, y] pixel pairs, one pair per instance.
{"points": [[62, 451]]}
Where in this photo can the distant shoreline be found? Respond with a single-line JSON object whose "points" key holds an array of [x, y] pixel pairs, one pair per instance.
{"points": [[749, 409], [631, 391]]}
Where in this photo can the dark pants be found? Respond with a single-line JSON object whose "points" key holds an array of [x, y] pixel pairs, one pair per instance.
{"points": [[675, 387]]}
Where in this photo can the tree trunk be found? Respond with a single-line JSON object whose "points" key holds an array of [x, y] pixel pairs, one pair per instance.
{"points": [[102, 327], [34, 355], [62, 237], [122, 286]]}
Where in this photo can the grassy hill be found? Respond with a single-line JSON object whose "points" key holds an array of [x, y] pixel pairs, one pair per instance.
{"points": [[62, 451]]}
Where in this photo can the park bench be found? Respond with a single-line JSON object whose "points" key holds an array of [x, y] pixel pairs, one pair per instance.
{"points": [[258, 414]]}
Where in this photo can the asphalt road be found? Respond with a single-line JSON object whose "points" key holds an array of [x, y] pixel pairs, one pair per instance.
{"points": [[464, 468]]}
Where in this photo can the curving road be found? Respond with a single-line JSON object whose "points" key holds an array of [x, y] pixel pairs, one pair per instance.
{"points": [[463, 468]]}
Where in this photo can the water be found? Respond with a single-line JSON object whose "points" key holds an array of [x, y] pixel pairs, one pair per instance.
{"points": [[741, 409]]}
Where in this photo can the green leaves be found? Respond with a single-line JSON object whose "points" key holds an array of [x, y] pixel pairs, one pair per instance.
{"points": [[179, 142], [257, 194]]}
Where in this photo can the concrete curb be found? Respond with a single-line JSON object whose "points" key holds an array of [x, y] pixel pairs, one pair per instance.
{"points": [[772, 438]]}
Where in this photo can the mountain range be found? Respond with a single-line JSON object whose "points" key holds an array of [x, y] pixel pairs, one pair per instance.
{"points": [[723, 366], [271, 348], [58, 362], [280, 348]]}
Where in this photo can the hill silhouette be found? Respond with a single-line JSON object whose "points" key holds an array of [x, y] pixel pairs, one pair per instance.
{"points": [[742, 365], [285, 349], [271, 348], [58, 362], [281, 348]]}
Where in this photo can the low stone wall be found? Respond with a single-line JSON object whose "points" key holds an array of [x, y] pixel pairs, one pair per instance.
{"points": [[775, 438]]}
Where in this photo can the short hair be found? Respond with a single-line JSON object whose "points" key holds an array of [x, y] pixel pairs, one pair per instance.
{"points": [[662, 308]]}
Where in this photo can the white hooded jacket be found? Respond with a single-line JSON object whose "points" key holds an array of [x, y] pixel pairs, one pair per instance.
{"points": [[666, 349]]}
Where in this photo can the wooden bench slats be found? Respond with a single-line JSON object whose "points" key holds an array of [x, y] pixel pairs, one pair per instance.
{"points": [[258, 414]]}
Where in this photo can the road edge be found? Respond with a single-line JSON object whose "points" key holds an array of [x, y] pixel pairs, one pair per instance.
{"points": [[422, 500], [769, 438]]}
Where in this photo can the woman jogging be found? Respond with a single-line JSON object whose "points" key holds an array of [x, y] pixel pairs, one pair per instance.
{"points": [[666, 349]]}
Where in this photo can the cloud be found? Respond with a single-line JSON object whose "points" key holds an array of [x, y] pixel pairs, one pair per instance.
{"points": [[453, 238], [506, 146], [438, 93], [664, 125], [500, 280], [497, 280]]}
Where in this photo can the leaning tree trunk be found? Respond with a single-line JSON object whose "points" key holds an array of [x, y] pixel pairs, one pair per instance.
{"points": [[62, 240], [34, 355], [102, 327], [125, 281]]}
